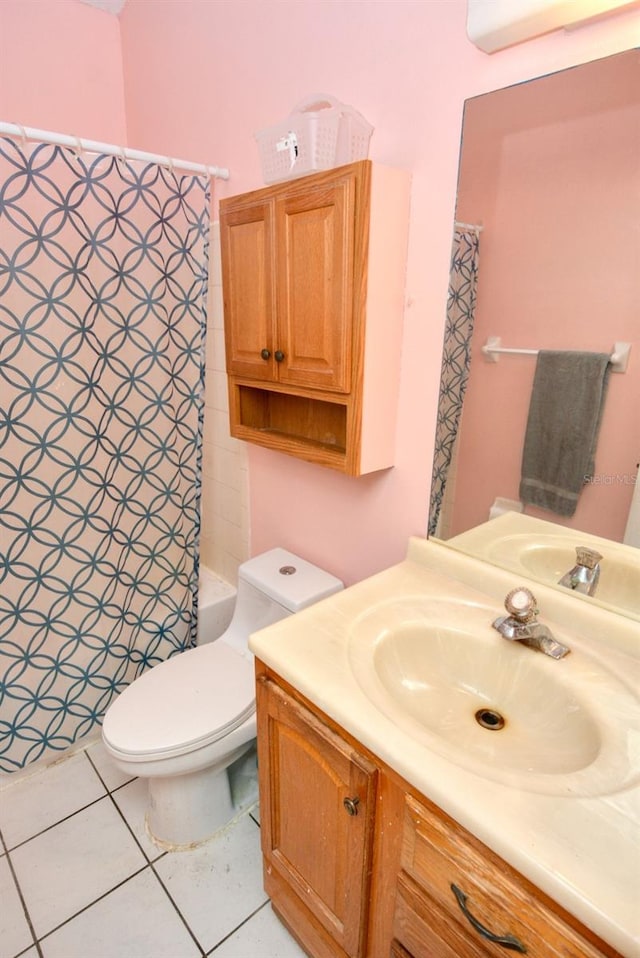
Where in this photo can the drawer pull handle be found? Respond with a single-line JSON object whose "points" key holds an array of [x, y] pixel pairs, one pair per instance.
{"points": [[507, 941]]}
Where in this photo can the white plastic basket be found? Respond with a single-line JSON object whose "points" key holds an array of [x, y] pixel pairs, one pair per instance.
{"points": [[320, 133]]}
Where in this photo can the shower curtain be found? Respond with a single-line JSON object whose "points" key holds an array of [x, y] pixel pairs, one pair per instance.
{"points": [[456, 359], [103, 279]]}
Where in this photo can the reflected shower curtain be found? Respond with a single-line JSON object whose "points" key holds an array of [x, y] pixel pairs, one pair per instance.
{"points": [[103, 278], [456, 359]]}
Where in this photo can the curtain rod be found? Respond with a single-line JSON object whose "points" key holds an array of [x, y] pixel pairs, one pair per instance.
{"points": [[618, 359], [472, 227], [91, 146]]}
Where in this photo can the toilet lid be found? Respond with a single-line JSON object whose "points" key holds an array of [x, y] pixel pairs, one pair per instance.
{"points": [[188, 701]]}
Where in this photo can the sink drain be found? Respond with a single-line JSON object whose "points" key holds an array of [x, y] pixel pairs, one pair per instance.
{"points": [[489, 718]]}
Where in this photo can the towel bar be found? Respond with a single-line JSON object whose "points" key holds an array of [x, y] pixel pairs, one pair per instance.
{"points": [[493, 346]]}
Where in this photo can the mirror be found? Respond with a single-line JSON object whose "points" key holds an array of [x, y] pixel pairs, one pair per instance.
{"points": [[550, 176]]}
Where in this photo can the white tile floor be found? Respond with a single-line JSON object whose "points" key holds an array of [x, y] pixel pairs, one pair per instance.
{"points": [[79, 878]]}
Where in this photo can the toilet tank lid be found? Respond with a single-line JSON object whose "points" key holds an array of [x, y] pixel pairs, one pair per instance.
{"points": [[289, 580]]}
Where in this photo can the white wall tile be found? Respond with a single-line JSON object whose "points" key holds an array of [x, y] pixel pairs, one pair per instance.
{"points": [[218, 360], [208, 461], [229, 468], [228, 504], [217, 308], [216, 263], [224, 540]]}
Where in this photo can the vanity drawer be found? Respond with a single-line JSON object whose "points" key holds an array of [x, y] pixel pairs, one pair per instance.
{"points": [[437, 854], [422, 929]]}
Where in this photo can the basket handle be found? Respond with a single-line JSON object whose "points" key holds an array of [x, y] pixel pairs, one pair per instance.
{"points": [[316, 102]]}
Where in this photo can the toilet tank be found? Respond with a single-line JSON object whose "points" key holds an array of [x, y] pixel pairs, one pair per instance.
{"points": [[272, 586], [290, 581]]}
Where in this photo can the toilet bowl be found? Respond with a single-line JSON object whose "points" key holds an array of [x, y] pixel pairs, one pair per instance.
{"points": [[183, 723]]}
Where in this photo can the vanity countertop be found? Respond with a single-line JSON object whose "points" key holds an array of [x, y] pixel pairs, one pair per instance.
{"points": [[581, 850]]}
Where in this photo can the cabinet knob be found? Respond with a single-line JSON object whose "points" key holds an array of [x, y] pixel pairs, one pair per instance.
{"points": [[351, 805], [279, 355], [265, 353]]}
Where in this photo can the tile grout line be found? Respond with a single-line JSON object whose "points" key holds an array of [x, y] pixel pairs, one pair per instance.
{"points": [[151, 863], [25, 910], [118, 884], [177, 910], [110, 793], [238, 927], [90, 905], [218, 943], [65, 818], [124, 881]]}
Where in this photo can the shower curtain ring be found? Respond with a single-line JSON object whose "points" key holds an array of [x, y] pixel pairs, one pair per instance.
{"points": [[121, 160], [23, 135], [78, 148]]}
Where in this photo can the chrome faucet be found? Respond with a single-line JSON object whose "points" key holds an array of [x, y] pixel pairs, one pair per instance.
{"points": [[585, 573], [521, 624]]}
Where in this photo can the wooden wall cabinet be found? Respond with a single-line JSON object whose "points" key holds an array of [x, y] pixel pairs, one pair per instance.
{"points": [[399, 878], [313, 280]]}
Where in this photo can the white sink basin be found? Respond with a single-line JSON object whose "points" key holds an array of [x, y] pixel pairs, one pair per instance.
{"points": [[439, 670]]}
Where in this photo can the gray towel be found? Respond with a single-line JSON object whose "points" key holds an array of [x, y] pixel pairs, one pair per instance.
{"points": [[562, 430]]}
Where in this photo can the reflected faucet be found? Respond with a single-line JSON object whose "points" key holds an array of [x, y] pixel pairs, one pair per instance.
{"points": [[585, 573], [521, 624]]}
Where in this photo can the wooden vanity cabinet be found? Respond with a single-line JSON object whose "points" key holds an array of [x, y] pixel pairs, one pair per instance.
{"points": [[379, 883], [313, 282]]}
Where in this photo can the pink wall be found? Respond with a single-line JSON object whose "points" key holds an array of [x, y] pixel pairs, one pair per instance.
{"points": [[61, 69], [200, 78], [552, 174]]}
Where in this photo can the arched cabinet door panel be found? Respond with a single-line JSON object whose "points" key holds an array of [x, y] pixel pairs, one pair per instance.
{"points": [[316, 819]]}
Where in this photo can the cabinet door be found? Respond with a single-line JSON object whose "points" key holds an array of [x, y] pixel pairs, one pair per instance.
{"points": [[317, 803], [315, 231], [246, 237]]}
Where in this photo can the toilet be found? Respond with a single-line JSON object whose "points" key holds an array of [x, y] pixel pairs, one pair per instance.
{"points": [[183, 723]]}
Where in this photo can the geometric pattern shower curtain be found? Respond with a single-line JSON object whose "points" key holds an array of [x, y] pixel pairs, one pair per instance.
{"points": [[456, 359], [103, 280]]}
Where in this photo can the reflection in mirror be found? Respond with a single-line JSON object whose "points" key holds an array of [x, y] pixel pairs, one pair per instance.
{"points": [[549, 202]]}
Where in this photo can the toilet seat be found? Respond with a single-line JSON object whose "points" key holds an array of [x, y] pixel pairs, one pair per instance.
{"points": [[182, 704]]}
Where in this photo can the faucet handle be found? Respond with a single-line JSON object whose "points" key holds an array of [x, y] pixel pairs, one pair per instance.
{"points": [[521, 604], [587, 557]]}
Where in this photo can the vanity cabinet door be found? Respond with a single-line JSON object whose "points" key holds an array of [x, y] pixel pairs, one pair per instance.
{"points": [[317, 803]]}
